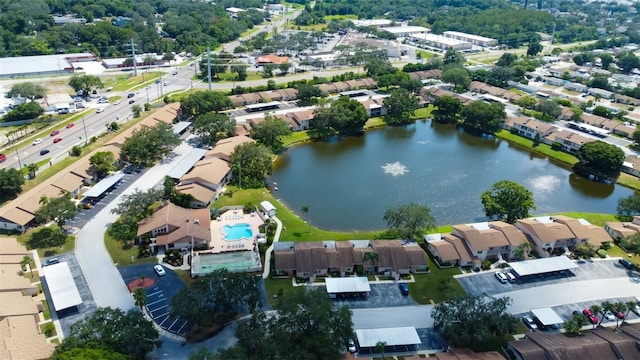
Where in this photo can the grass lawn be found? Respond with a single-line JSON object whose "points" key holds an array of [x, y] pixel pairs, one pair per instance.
{"points": [[295, 229], [314, 27], [594, 218], [184, 276], [229, 77], [374, 122], [438, 285], [279, 286], [423, 113], [48, 329], [122, 256], [129, 82], [629, 181], [41, 239], [33, 274], [341, 17], [295, 137], [45, 310], [543, 149], [616, 251]]}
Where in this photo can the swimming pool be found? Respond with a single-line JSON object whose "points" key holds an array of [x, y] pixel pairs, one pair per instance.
{"points": [[237, 232]]}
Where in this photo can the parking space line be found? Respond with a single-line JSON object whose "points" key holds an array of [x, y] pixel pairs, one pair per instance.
{"points": [[173, 323], [165, 319], [160, 308], [155, 302], [155, 293], [182, 327]]}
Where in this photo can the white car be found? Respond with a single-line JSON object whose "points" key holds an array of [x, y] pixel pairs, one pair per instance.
{"points": [[636, 309], [116, 102], [352, 347], [99, 110], [511, 277], [37, 141], [159, 270], [609, 316], [501, 277]]}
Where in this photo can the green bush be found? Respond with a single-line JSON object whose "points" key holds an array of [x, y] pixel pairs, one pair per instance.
{"points": [[602, 253]]}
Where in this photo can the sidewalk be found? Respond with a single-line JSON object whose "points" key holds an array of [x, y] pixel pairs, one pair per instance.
{"points": [[267, 254]]}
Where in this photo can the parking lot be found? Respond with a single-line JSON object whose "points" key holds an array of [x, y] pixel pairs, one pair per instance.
{"points": [[77, 313], [159, 295], [382, 295], [486, 282]]}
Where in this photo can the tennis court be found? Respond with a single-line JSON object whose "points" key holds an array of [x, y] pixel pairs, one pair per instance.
{"points": [[239, 261]]}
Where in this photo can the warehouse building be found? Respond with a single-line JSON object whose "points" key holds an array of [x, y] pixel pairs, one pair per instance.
{"points": [[474, 39], [440, 42], [41, 65]]}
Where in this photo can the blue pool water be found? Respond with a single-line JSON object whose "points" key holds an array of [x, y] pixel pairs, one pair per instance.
{"points": [[237, 232]]}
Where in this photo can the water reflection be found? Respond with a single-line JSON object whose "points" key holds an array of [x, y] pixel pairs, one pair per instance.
{"points": [[591, 188]]}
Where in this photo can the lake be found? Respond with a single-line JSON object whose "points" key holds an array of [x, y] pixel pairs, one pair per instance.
{"points": [[348, 183]]}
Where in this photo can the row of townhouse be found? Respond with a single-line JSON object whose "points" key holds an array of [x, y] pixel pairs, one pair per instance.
{"points": [[20, 334], [623, 229], [308, 260], [616, 127], [19, 214], [483, 88], [546, 133], [470, 244]]}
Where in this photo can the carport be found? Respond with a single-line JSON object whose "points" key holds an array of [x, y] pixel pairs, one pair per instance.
{"points": [[542, 266], [398, 339], [186, 163], [358, 286], [546, 316], [181, 127], [63, 290], [103, 185]]}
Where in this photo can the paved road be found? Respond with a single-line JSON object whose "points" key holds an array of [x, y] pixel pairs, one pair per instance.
{"points": [[105, 281]]}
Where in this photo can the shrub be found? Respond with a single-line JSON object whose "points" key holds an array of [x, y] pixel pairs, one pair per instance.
{"points": [[602, 253]]}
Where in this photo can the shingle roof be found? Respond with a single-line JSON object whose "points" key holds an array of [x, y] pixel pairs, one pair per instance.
{"points": [[225, 147], [514, 236], [546, 232], [176, 218], [11, 246], [593, 234], [481, 239], [200, 193], [446, 250], [212, 170], [13, 303], [20, 338]]}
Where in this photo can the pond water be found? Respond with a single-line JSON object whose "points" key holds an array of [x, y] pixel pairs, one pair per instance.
{"points": [[348, 183]]}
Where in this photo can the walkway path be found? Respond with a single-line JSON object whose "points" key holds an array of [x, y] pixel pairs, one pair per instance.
{"points": [[267, 254]]}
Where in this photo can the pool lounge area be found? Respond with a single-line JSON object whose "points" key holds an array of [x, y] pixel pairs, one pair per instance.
{"points": [[234, 231]]}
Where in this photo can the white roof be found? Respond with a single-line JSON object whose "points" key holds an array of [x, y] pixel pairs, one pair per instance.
{"points": [[186, 163], [541, 266], [347, 284], [180, 127], [438, 39], [104, 184], [64, 292], [469, 36], [267, 206], [371, 22], [547, 316], [406, 29], [391, 336], [40, 63]]}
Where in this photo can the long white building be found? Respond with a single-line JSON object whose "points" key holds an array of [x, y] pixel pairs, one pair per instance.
{"points": [[406, 31], [441, 42], [474, 39]]}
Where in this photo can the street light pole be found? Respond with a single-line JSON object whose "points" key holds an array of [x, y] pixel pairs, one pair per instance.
{"points": [[84, 126], [18, 156], [147, 88]]}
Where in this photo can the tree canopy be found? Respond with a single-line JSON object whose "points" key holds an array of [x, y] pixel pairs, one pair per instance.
{"points": [[88, 353], [60, 209], [148, 145], [11, 182], [408, 221], [26, 111], [251, 163], [482, 117], [85, 83], [470, 320], [112, 329], [211, 127], [343, 116], [270, 132], [599, 159], [629, 206], [508, 201], [447, 109], [202, 102], [401, 105], [27, 90], [102, 163], [308, 93], [132, 208]]}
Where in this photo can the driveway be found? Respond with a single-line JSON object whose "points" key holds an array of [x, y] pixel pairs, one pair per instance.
{"points": [[381, 296], [104, 280]]}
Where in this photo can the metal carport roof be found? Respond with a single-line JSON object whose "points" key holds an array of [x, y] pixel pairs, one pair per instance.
{"points": [[547, 316], [347, 285], [186, 163], [392, 336], [541, 266], [180, 127], [64, 292], [103, 185]]}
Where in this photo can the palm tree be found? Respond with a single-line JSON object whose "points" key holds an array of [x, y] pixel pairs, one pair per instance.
{"points": [[596, 310], [618, 308], [26, 260], [380, 346], [371, 256], [33, 167], [630, 305], [572, 327], [518, 252], [305, 210], [526, 246], [606, 306], [140, 297]]}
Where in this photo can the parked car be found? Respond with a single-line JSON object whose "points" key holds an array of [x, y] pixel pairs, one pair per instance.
{"points": [[117, 102], [37, 141], [51, 261], [626, 264], [636, 309], [609, 316], [69, 126], [55, 132], [44, 151], [501, 277], [621, 315], [352, 346], [159, 270], [404, 289], [528, 321], [511, 277], [57, 140]]}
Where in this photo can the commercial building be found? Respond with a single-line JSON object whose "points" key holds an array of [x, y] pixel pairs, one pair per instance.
{"points": [[405, 31], [441, 42], [474, 39], [41, 65], [377, 23]]}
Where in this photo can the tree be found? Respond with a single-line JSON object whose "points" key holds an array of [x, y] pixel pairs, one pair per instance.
{"points": [[59, 210], [499, 76], [251, 163], [202, 102], [88, 353], [408, 221], [606, 60], [380, 346], [596, 310], [401, 106], [599, 159], [307, 93], [11, 182], [103, 162], [482, 117], [26, 260], [627, 61], [371, 257], [550, 110], [305, 210], [241, 70], [27, 111], [127, 333], [347, 116], [470, 320], [602, 111], [137, 110], [32, 168], [270, 132], [140, 297], [629, 206], [507, 200], [507, 59], [147, 145], [211, 127], [447, 109], [527, 102], [457, 76], [27, 90], [85, 83], [132, 208], [534, 47], [284, 67], [452, 56], [574, 326]]}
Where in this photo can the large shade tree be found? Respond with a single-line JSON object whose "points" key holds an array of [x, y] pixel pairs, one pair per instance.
{"points": [[11, 181], [599, 159], [60, 209], [482, 117], [401, 106], [27, 90], [270, 132], [212, 126], [408, 221], [250, 163], [148, 145], [508, 201], [447, 109], [85, 83]]}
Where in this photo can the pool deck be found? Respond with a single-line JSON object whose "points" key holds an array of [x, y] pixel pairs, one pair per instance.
{"points": [[233, 217]]}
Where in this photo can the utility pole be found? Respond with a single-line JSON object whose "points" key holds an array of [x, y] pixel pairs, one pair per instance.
{"points": [[84, 126], [209, 67], [133, 55]]}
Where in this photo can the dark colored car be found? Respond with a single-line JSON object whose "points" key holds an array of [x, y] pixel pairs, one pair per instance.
{"points": [[131, 101], [404, 289], [44, 151], [131, 95], [626, 263]]}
